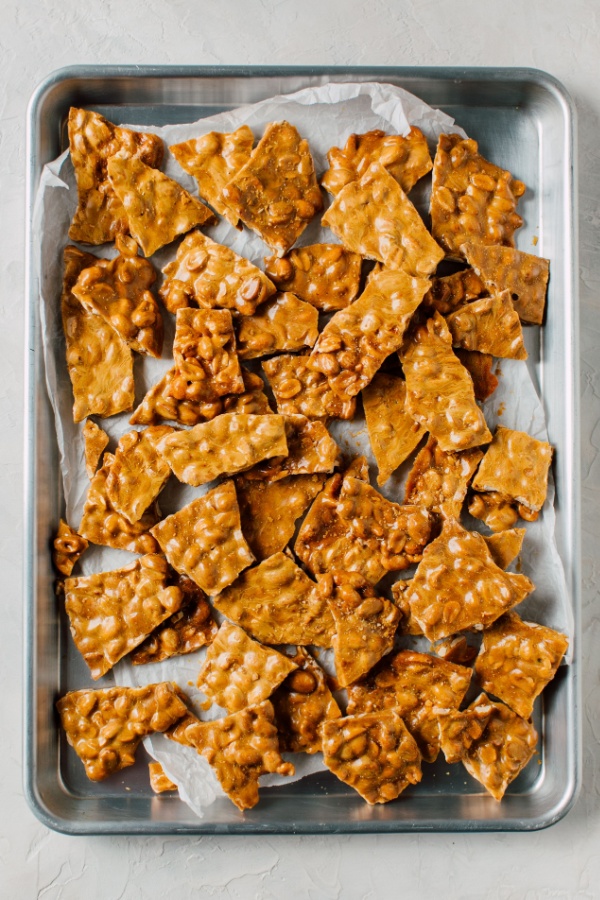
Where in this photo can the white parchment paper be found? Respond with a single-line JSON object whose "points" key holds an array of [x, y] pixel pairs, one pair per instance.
{"points": [[325, 115]]}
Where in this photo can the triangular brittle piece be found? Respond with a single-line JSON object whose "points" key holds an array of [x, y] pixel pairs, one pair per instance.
{"points": [[449, 292], [374, 217], [516, 466], [303, 702], [459, 729], [213, 160], [365, 624], [204, 540], [138, 472], [393, 432], [238, 671], [112, 612], [355, 342], [373, 753], [490, 325], [276, 193], [240, 748], [100, 214], [105, 727], [524, 275], [440, 390], [438, 480], [479, 366], [68, 548], [204, 350], [471, 198], [158, 208], [100, 363], [95, 441], [282, 323], [277, 603], [301, 390], [505, 546], [311, 450], [325, 275], [211, 275]]}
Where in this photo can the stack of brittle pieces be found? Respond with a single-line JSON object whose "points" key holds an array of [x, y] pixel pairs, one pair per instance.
{"points": [[283, 568]]}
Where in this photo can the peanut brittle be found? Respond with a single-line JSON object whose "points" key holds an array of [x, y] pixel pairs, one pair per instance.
{"points": [[159, 781], [105, 727], [471, 198], [365, 623], [138, 472], [158, 209], [355, 342], [269, 509], [518, 659], [516, 465], [300, 390], [95, 440], [102, 524], [276, 193], [438, 480], [408, 625], [213, 160], [238, 671], [240, 748], [393, 432], [374, 217], [440, 391], [302, 703], [68, 548], [188, 629], [458, 730], [479, 367], [358, 468], [230, 443], [449, 292], [100, 363], [325, 275], [412, 684], [490, 325], [311, 450], [373, 753], [283, 323], [212, 276], [498, 511], [100, 214], [112, 612], [406, 158], [277, 603], [457, 584], [205, 354], [524, 275], [456, 649], [505, 546], [503, 751], [204, 540]]}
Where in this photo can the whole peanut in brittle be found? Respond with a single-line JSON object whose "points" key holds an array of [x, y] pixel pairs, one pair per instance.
{"points": [[449, 292], [459, 730], [205, 354], [393, 432], [498, 511], [490, 325], [299, 390], [516, 465], [302, 703], [283, 323], [325, 275], [503, 268], [68, 547], [95, 441], [438, 480], [311, 450], [138, 472]]}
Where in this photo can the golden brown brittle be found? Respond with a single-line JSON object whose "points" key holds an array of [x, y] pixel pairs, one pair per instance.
{"points": [[205, 354], [159, 781], [490, 325], [456, 649], [300, 390], [505, 546], [449, 292], [393, 432], [438, 480], [497, 511], [68, 548], [283, 323], [525, 276], [95, 440], [302, 703], [516, 465], [311, 450], [458, 730], [138, 472], [479, 366], [325, 275]]}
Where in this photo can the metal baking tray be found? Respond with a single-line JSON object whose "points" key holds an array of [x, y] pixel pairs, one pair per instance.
{"points": [[522, 119]]}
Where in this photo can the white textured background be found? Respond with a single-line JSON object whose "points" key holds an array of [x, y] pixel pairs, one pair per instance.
{"points": [[37, 36]]}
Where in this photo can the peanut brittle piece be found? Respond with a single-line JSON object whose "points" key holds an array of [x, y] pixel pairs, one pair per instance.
{"points": [[393, 432], [490, 325], [311, 450], [158, 209], [283, 323], [498, 511], [100, 363], [204, 539], [205, 354], [449, 292], [471, 198], [276, 193], [406, 158], [302, 703], [408, 625], [300, 390], [365, 623], [373, 753], [325, 275], [188, 629], [516, 465], [458, 730], [212, 276], [479, 366], [269, 509], [518, 659], [440, 391], [374, 217], [230, 443], [524, 275], [505, 546], [355, 342], [95, 442], [277, 603], [439, 480], [457, 584], [358, 468], [105, 727], [213, 160], [112, 612], [240, 748], [100, 214], [412, 684], [503, 751], [456, 649], [159, 781], [68, 548], [138, 472], [238, 671], [102, 524]]}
